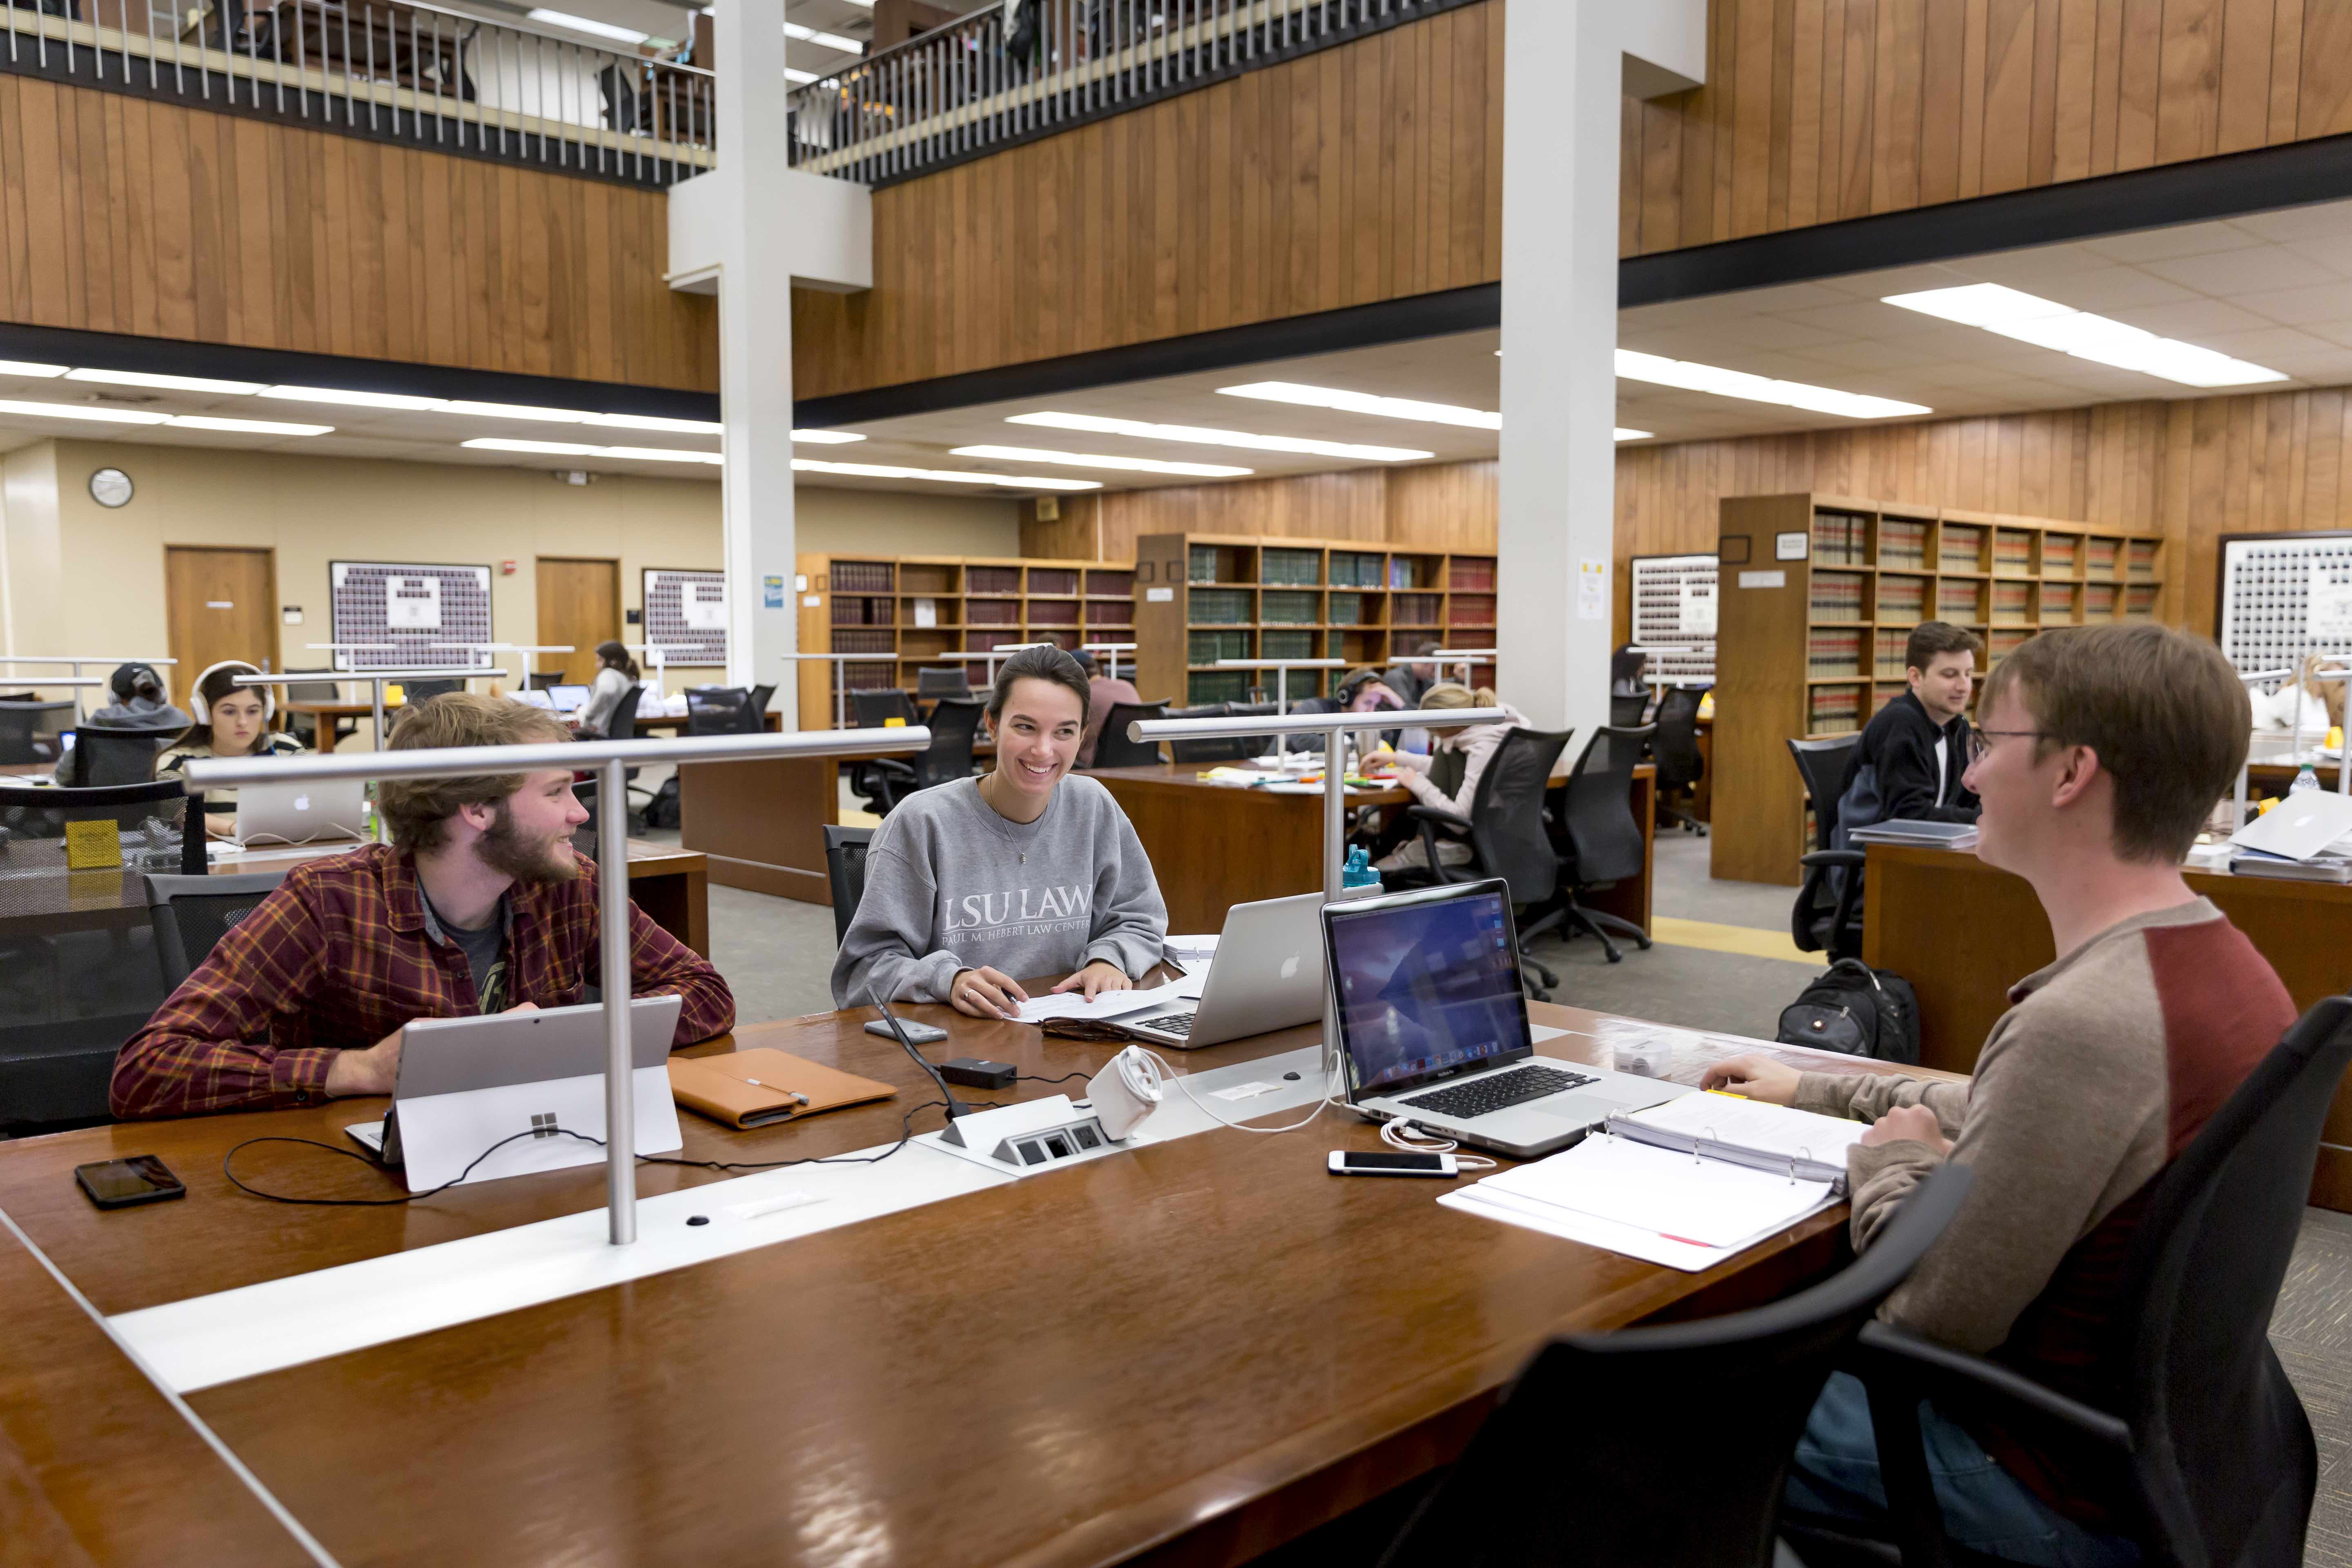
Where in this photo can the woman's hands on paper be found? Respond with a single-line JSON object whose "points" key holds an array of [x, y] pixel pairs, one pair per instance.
{"points": [[986, 993], [1757, 1077], [1098, 977]]}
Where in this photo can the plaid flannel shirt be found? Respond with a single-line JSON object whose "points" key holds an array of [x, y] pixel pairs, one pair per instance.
{"points": [[343, 953]]}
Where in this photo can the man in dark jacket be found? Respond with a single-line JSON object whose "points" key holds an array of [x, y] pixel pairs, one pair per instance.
{"points": [[1912, 754]]}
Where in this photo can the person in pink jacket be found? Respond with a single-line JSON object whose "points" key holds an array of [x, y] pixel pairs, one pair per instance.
{"points": [[1414, 770]]}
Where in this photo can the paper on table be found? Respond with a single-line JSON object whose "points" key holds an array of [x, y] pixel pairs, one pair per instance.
{"points": [[1108, 1004], [1710, 1202], [1569, 1225], [1754, 1125]]}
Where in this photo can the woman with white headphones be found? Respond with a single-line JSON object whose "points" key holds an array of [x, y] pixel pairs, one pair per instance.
{"points": [[232, 720]]}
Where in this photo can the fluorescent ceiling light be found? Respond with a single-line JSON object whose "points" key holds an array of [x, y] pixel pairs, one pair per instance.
{"points": [[944, 476], [249, 426], [658, 455], [584, 25], [1365, 403], [2048, 325], [799, 77], [1098, 460], [170, 383], [1200, 437], [656, 422], [76, 411], [826, 438], [1694, 377], [551, 448], [826, 40], [352, 399], [1625, 435], [21, 368], [517, 411]]}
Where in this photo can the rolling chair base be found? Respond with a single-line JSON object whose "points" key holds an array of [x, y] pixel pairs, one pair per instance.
{"points": [[1600, 925]]}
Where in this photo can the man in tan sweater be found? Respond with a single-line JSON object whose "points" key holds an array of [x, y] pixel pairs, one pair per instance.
{"points": [[2100, 751]]}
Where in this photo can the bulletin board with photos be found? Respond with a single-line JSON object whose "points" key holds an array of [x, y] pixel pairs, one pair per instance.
{"points": [[1674, 607], [2283, 596], [420, 616], [686, 615]]}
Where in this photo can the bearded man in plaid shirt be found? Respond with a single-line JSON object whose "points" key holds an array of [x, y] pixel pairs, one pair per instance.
{"points": [[477, 905]]}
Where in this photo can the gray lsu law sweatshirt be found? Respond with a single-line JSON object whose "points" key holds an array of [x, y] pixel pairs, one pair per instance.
{"points": [[950, 885]]}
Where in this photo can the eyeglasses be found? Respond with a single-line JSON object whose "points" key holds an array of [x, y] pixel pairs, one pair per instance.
{"points": [[1981, 740]]}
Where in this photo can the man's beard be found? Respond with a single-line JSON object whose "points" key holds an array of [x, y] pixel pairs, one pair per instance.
{"points": [[505, 850]]}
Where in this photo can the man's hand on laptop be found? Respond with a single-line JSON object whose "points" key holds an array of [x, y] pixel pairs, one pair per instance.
{"points": [[1757, 1077], [983, 993], [1908, 1124], [373, 1071], [1098, 977]]}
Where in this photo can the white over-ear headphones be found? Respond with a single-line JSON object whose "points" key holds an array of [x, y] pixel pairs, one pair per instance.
{"points": [[201, 710]]}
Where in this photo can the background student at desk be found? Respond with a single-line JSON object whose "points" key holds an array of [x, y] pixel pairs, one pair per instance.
{"points": [[231, 721], [1023, 871]]}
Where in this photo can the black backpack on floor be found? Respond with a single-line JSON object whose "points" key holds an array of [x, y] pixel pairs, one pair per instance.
{"points": [[663, 810], [1861, 1011]]}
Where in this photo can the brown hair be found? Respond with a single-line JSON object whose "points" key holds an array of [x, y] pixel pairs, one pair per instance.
{"points": [[417, 811], [615, 656], [2165, 713], [1051, 663], [1929, 638]]}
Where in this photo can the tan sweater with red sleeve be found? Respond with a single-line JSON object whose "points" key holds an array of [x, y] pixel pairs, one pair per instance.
{"points": [[2104, 1067]]}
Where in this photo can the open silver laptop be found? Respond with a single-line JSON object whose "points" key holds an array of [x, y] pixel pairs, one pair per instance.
{"points": [[567, 699], [1267, 973], [1434, 1026], [309, 812]]}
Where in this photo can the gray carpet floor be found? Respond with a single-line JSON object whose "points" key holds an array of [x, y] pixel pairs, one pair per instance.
{"points": [[778, 955]]}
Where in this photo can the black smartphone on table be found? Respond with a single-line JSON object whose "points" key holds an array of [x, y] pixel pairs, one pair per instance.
{"points": [[120, 1183]]}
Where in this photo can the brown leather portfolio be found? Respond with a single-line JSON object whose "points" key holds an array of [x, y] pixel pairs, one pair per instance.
{"points": [[759, 1088]]}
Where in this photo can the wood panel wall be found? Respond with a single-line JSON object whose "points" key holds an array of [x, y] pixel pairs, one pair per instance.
{"points": [[1816, 111], [2195, 467], [1366, 171], [125, 214]]}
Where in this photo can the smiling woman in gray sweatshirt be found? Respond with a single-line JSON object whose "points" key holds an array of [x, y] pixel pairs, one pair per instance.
{"points": [[974, 884]]}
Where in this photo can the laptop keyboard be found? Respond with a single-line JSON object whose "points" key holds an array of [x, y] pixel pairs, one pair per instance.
{"points": [[1498, 1091], [1174, 1024]]}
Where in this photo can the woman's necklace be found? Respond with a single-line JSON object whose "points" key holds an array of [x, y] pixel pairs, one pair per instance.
{"points": [[988, 798]]}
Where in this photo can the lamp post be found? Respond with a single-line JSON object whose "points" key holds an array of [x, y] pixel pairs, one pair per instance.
{"points": [[841, 663], [1282, 668], [610, 761]]}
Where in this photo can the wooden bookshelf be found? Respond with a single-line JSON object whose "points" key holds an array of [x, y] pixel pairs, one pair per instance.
{"points": [[1812, 645], [1200, 597], [928, 610]]}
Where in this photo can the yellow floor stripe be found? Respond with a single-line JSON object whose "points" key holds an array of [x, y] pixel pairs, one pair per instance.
{"points": [[1747, 940]]}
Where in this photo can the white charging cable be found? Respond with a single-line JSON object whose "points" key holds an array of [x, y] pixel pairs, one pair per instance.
{"points": [[1415, 1140]]}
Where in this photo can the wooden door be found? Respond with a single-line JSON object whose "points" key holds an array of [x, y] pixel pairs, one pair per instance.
{"points": [[579, 604], [218, 603]]}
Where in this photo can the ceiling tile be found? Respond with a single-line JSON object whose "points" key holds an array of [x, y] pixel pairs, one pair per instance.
{"points": [[2320, 221], [2192, 321], [2297, 307], [2237, 272], [2164, 244]]}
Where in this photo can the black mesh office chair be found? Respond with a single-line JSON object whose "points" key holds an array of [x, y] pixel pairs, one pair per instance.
{"points": [[1827, 915], [1604, 842], [755, 712], [78, 972], [2210, 1444], [1675, 747], [844, 873], [33, 731], [1668, 1447], [1218, 749], [414, 691], [1509, 838], [307, 727], [622, 726], [953, 725], [1625, 713], [191, 914], [102, 755], [716, 709], [546, 680], [872, 710], [1114, 750], [933, 682]]}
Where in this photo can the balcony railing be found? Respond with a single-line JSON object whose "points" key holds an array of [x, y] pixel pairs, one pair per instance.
{"points": [[391, 69], [973, 86]]}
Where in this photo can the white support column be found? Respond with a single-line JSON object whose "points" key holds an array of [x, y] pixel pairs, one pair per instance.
{"points": [[753, 233], [1565, 70]]}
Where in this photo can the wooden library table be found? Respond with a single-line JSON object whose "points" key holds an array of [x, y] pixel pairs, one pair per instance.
{"points": [[1214, 845], [327, 713], [1962, 934], [1194, 1353]]}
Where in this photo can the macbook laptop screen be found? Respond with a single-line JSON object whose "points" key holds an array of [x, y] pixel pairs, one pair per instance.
{"points": [[1427, 985], [568, 698]]}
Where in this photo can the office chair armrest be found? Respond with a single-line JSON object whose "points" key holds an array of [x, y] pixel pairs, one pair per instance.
{"points": [[890, 767], [1438, 814], [1928, 1369], [1826, 857]]}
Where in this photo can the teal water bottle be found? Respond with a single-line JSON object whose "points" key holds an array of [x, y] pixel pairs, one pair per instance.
{"points": [[1357, 872]]}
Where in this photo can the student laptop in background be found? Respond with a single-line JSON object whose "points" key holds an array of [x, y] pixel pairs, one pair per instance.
{"points": [[567, 699], [1267, 973], [309, 812], [1434, 1026]]}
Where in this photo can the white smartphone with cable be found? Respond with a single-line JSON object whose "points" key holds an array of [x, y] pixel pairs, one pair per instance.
{"points": [[1381, 1162]]}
